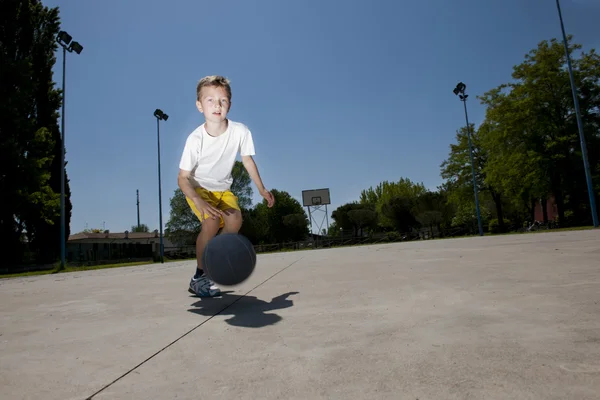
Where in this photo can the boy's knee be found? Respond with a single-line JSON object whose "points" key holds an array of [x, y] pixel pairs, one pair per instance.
{"points": [[210, 227], [233, 220]]}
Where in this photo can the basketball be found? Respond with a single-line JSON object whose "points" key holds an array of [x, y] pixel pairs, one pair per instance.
{"points": [[229, 259]]}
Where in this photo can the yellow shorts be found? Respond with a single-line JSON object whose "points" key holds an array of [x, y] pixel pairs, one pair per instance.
{"points": [[222, 200]]}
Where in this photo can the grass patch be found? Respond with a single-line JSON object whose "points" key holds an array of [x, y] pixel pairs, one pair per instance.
{"points": [[68, 269]]}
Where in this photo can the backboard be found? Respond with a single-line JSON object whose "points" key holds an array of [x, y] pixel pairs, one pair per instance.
{"points": [[315, 197]]}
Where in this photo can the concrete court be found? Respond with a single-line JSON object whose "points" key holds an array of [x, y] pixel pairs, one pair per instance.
{"points": [[508, 317]]}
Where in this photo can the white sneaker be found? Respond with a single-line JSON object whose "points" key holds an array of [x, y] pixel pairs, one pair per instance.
{"points": [[203, 287]]}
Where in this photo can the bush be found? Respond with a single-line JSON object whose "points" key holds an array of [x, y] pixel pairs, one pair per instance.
{"points": [[494, 226]]}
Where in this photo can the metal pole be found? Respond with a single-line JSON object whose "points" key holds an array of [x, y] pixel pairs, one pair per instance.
{"points": [[586, 165], [464, 100], [138, 207], [159, 194], [62, 168], [327, 219]]}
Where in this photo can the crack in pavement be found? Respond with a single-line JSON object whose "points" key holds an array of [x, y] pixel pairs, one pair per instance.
{"points": [[190, 331]]}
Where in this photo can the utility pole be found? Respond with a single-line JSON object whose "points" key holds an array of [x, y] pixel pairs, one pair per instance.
{"points": [[160, 115], [584, 155], [138, 208], [460, 92]]}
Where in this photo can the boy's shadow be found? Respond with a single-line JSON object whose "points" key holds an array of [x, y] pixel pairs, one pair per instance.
{"points": [[246, 311]]}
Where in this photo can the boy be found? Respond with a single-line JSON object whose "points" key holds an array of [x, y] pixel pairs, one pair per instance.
{"points": [[205, 171]]}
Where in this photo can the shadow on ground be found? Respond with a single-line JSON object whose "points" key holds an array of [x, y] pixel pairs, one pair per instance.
{"points": [[245, 311]]}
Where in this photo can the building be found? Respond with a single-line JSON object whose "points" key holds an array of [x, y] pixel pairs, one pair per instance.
{"points": [[86, 247], [551, 210]]}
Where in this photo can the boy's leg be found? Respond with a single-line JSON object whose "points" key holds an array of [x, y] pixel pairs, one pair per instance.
{"points": [[200, 284], [232, 220], [210, 227]]}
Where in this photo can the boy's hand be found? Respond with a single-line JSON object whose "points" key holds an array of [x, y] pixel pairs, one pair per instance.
{"points": [[206, 208], [268, 196]]}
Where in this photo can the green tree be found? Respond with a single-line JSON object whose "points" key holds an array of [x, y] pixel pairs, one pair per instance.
{"points": [[397, 211], [282, 219], [432, 209], [342, 219], [388, 198], [535, 131], [183, 226], [241, 185], [29, 136], [256, 225], [141, 228], [362, 218], [457, 168]]}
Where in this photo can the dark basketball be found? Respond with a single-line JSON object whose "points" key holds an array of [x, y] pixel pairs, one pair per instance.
{"points": [[229, 259]]}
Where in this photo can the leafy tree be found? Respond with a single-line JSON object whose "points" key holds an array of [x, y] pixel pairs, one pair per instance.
{"points": [[255, 226], [92, 230], [183, 226], [387, 199], [457, 167], [432, 209], [535, 132], [141, 228], [466, 217], [334, 230], [297, 225], [29, 136], [362, 218], [342, 219], [242, 185], [397, 210], [282, 219]]}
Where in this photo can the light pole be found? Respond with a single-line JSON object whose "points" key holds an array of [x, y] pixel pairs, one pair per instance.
{"points": [[459, 90], [160, 115], [65, 40], [586, 164]]}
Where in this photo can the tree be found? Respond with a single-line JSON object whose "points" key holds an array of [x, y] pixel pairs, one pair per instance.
{"points": [[386, 199], [255, 226], [241, 185], [457, 167], [140, 228], [397, 210], [535, 131], [362, 218], [432, 209], [342, 218], [282, 219], [92, 230], [353, 217], [29, 135], [183, 226]]}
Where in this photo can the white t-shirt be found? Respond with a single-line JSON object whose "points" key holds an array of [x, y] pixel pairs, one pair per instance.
{"points": [[211, 159]]}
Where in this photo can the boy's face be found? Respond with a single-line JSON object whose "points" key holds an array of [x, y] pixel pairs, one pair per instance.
{"points": [[213, 103]]}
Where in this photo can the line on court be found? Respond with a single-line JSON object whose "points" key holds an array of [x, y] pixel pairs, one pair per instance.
{"points": [[191, 330]]}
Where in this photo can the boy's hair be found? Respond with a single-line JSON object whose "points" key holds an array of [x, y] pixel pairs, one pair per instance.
{"points": [[214, 80]]}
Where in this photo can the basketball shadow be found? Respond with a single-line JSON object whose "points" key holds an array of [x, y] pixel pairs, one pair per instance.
{"points": [[246, 311]]}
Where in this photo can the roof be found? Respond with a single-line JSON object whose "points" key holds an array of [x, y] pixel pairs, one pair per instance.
{"points": [[115, 235]]}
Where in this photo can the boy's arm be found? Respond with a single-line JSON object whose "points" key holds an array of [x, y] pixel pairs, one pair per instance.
{"points": [[183, 181], [252, 169], [186, 164]]}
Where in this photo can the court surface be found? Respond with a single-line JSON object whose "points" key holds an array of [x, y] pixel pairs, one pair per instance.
{"points": [[506, 317]]}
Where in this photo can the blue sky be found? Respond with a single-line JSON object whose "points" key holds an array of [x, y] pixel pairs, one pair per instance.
{"points": [[338, 94]]}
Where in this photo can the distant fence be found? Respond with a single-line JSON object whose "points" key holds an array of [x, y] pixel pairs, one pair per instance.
{"points": [[320, 242]]}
